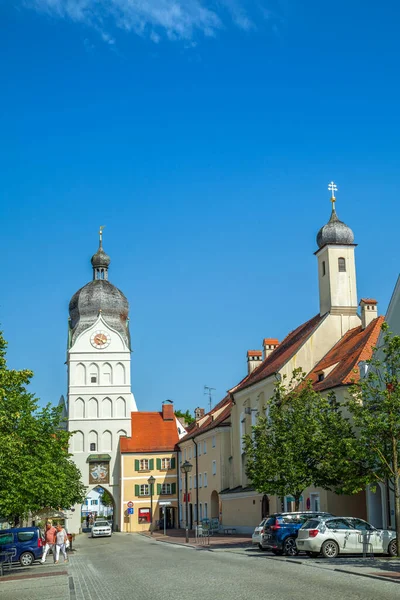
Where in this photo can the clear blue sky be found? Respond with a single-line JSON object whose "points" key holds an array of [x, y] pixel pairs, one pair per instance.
{"points": [[203, 135]]}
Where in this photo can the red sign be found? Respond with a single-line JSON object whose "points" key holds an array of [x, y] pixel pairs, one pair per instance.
{"points": [[130, 504]]}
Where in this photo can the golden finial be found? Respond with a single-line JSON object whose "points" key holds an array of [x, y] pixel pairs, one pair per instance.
{"points": [[332, 187]]}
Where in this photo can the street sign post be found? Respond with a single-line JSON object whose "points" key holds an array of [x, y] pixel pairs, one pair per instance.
{"points": [[130, 504], [130, 511]]}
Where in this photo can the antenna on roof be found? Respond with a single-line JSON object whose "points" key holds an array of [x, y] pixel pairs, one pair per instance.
{"points": [[208, 392]]}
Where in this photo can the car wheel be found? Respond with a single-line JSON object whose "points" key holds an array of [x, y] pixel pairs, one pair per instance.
{"points": [[329, 549], [312, 554], [392, 548], [277, 552], [26, 559], [289, 547]]}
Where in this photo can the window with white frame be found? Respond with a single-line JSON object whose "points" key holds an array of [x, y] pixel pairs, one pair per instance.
{"points": [[165, 463], [205, 479], [213, 441], [194, 481], [200, 480], [184, 454], [144, 464], [200, 512], [166, 488], [199, 449], [214, 467], [205, 510], [190, 482], [194, 452], [242, 431], [144, 489], [189, 453], [204, 447]]}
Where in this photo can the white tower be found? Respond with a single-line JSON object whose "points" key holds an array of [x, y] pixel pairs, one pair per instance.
{"points": [[100, 400], [336, 266]]}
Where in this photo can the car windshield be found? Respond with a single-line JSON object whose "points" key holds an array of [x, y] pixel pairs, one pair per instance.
{"points": [[101, 524], [311, 524]]}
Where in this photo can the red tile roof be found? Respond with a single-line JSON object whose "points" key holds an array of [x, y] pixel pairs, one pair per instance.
{"points": [[209, 421], [282, 353], [356, 345], [254, 353], [368, 301], [150, 433], [270, 341]]}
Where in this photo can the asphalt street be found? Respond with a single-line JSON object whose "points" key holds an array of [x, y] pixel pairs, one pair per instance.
{"points": [[131, 566]]}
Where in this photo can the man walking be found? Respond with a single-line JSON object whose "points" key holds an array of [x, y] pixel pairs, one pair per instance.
{"points": [[49, 541]]}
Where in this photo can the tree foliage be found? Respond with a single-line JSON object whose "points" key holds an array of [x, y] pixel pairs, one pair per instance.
{"points": [[35, 468], [301, 440], [184, 415], [375, 407]]}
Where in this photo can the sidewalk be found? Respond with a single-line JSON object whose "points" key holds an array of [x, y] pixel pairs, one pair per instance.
{"points": [[214, 542]]}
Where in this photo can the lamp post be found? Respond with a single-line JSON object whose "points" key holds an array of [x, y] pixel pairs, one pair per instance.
{"points": [[186, 467], [151, 481]]}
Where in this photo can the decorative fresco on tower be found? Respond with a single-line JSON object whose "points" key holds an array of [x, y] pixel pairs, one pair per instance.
{"points": [[99, 473]]}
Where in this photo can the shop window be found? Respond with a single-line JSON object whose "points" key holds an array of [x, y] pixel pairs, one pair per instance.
{"points": [[144, 515]]}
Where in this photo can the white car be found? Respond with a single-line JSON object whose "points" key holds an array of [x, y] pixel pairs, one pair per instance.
{"points": [[256, 538], [101, 528], [344, 535]]}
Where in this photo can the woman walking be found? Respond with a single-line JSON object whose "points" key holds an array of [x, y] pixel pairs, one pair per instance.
{"points": [[61, 540]]}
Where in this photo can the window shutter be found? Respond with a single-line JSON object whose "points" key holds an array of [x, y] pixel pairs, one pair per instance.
{"points": [[173, 488], [158, 488], [137, 490], [173, 462], [151, 464], [137, 465], [158, 463]]}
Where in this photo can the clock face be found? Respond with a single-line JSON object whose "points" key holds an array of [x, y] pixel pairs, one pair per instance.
{"points": [[100, 339]]}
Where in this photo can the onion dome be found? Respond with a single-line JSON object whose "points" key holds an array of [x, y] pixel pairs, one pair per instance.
{"points": [[335, 231], [99, 297]]}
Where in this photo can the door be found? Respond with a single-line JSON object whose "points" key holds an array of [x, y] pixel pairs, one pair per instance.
{"points": [[368, 538], [344, 534]]}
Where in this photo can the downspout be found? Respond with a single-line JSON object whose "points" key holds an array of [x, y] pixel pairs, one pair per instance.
{"points": [[197, 483]]}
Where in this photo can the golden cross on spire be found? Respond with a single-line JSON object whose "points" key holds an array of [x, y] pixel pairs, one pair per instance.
{"points": [[332, 187], [101, 233]]}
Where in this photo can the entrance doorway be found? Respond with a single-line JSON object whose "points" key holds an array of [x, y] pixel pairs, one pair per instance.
{"points": [[99, 503], [169, 516], [215, 505], [264, 507]]}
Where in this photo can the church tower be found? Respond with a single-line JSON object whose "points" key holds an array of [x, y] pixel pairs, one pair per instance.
{"points": [[336, 266], [100, 400]]}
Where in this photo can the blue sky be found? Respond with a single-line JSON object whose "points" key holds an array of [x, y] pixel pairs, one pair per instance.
{"points": [[203, 135]]}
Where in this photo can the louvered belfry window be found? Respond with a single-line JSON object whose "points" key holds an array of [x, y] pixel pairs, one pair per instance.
{"points": [[342, 265]]}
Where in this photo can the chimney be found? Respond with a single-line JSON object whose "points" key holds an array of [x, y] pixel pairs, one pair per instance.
{"points": [[369, 311], [168, 412], [198, 413], [269, 345], [254, 358]]}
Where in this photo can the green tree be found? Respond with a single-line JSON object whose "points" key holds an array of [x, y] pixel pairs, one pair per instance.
{"points": [[35, 468], [184, 415], [375, 407], [302, 440], [106, 499]]}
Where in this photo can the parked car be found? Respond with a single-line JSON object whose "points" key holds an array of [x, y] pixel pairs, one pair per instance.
{"points": [[280, 531], [257, 534], [331, 536], [25, 543], [101, 528]]}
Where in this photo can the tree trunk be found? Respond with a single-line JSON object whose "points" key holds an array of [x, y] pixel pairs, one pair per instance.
{"points": [[396, 492], [297, 502]]}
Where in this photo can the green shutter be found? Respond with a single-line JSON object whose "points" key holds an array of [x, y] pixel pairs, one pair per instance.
{"points": [[137, 465], [151, 464], [173, 462], [158, 464], [173, 488], [137, 490], [158, 488]]}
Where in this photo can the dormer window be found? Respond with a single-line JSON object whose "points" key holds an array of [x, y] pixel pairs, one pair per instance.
{"points": [[342, 265], [321, 376]]}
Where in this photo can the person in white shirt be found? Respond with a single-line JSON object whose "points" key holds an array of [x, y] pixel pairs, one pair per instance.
{"points": [[61, 540]]}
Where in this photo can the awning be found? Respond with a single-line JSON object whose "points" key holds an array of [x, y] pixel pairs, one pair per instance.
{"points": [[98, 458]]}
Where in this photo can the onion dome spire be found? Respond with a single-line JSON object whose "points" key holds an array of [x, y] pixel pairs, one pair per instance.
{"points": [[335, 231], [100, 261]]}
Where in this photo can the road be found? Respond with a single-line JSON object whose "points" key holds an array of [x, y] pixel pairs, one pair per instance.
{"points": [[131, 566]]}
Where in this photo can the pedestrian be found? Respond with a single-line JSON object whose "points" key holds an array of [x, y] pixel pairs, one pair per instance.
{"points": [[87, 520], [49, 540], [61, 540]]}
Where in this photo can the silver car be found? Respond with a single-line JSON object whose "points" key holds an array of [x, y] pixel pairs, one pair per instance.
{"points": [[101, 528], [256, 538], [344, 535]]}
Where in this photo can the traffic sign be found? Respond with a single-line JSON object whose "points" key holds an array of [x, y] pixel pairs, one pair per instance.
{"points": [[165, 503], [130, 504], [130, 511]]}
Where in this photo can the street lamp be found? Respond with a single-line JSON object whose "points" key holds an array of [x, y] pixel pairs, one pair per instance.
{"points": [[151, 481], [186, 467]]}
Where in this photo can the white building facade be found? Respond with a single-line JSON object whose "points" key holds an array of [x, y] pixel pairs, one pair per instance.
{"points": [[100, 400]]}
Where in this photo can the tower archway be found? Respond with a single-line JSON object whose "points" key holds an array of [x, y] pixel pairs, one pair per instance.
{"points": [[98, 504]]}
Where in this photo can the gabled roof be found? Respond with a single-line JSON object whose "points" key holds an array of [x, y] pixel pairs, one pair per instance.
{"points": [[150, 433], [216, 417], [356, 345], [284, 352]]}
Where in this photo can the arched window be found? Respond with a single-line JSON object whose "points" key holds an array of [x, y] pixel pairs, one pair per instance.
{"points": [[106, 408], [342, 264], [78, 441], [80, 374], [93, 409], [106, 442], [79, 409], [121, 407], [119, 373], [106, 374], [93, 441], [323, 268]]}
